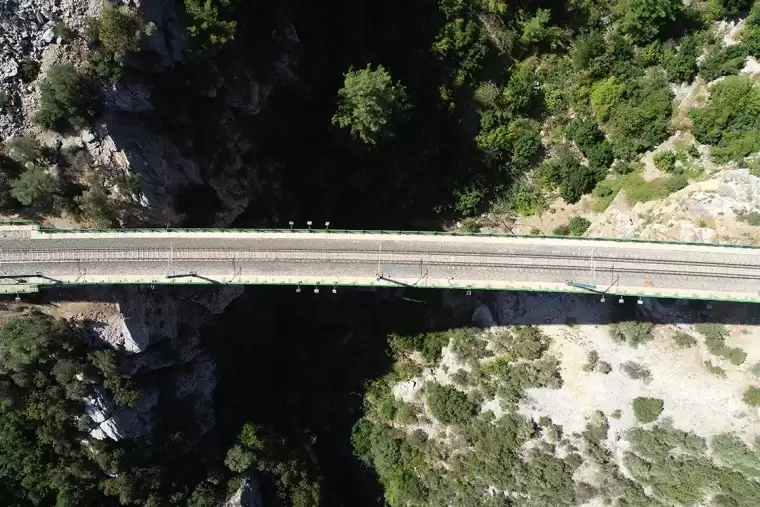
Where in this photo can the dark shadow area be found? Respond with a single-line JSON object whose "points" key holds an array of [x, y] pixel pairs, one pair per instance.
{"points": [[298, 363], [505, 308]]}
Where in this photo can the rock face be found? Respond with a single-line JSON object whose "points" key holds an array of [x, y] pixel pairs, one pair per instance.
{"points": [[248, 495], [131, 136], [159, 328], [706, 212]]}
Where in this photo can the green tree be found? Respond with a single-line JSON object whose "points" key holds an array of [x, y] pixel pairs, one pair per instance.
{"points": [[633, 332], [207, 23], [35, 187], [682, 66], [24, 149], [752, 396], [368, 103], [578, 225], [449, 405], [579, 181], [646, 20], [238, 459], [67, 98], [646, 410], [730, 122], [605, 97], [120, 29]]}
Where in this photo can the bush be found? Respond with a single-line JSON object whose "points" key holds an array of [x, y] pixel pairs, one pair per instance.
{"points": [[606, 95], [96, 205], [756, 370], [591, 141], [449, 405], [641, 122], [35, 187], [603, 367], [6, 103], [646, 410], [579, 181], [120, 29], [636, 371], [524, 198], [29, 70], [714, 370], [24, 149], [579, 225], [676, 182], [682, 66], [207, 22], [561, 230], [633, 332], [66, 98], [723, 61], [684, 340], [665, 161], [62, 31], [646, 20], [752, 396], [731, 119]]}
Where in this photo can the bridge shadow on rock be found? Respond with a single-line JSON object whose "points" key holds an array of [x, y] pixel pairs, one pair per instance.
{"points": [[532, 308]]}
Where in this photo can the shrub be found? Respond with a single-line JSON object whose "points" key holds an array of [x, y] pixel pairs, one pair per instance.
{"points": [[579, 181], [636, 371], [62, 31], [591, 361], [752, 396], [616, 414], [66, 98], [715, 339], [756, 370], [641, 122], [665, 161], [29, 70], [723, 61], [714, 369], [96, 205], [646, 410], [207, 22], [525, 199], [35, 187], [6, 103], [606, 95], [633, 332], [731, 119], [120, 29], [449, 405], [751, 218], [561, 230], [24, 149], [684, 340], [579, 225], [646, 20], [682, 66], [676, 182], [429, 344], [603, 367]]}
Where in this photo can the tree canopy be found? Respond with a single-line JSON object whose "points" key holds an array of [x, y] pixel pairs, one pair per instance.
{"points": [[368, 103]]}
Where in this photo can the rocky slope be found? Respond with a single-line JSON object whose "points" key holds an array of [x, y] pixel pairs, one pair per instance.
{"points": [[132, 135], [707, 211]]}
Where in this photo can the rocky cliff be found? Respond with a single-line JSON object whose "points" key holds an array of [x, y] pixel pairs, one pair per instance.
{"points": [[186, 137]]}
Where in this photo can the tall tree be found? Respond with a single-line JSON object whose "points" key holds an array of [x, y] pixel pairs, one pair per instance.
{"points": [[368, 103]]}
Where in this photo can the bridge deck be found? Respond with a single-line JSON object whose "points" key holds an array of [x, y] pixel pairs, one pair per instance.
{"points": [[30, 257]]}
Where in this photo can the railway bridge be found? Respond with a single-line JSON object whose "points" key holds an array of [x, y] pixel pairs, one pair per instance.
{"points": [[32, 257]]}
